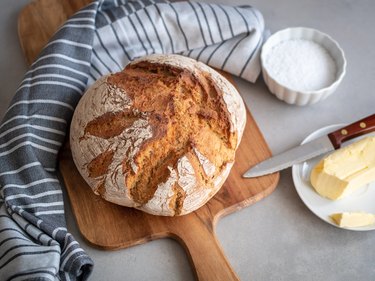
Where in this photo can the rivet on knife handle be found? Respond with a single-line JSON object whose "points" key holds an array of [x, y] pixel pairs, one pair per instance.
{"points": [[356, 129]]}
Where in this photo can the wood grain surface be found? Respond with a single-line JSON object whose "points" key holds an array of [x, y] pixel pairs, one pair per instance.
{"points": [[109, 226]]}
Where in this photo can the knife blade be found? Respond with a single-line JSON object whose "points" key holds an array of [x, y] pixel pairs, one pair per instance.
{"points": [[313, 148]]}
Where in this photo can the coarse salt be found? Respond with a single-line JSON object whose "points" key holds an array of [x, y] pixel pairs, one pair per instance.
{"points": [[301, 65]]}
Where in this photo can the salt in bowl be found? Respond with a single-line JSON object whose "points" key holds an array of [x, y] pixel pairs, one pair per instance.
{"points": [[302, 66]]}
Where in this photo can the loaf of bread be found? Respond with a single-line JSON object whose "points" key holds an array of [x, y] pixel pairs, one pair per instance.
{"points": [[159, 136]]}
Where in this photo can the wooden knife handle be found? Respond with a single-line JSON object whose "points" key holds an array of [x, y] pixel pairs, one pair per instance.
{"points": [[205, 254], [356, 129]]}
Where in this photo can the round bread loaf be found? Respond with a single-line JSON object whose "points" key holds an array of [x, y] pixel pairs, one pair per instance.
{"points": [[159, 136]]}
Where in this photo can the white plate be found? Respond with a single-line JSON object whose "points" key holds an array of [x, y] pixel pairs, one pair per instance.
{"points": [[362, 200]]}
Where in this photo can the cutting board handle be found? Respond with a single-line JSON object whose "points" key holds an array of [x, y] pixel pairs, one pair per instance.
{"points": [[206, 256]]}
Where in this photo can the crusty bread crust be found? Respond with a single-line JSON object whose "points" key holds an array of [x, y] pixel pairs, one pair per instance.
{"points": [[160, 136]]}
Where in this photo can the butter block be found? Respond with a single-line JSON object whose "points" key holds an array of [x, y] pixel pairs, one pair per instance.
{"points": [[345, 170], [353, 219]]}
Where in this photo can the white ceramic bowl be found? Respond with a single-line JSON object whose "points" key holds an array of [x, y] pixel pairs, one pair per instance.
{"points": [[294, 96]]}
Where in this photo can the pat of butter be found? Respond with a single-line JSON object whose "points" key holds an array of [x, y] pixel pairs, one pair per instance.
{"points": [[353, 219], [345, 170]]}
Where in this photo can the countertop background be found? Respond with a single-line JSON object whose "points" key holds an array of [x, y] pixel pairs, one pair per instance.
{"points": [[278, 238]]}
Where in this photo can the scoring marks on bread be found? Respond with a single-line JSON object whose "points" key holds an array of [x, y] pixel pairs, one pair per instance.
{"points": [[166, 130]]}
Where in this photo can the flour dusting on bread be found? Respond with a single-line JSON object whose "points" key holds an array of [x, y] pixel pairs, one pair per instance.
{"points": [[159, 136]]}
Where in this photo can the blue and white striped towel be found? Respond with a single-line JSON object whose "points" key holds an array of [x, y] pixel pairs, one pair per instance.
{"points": [[101, 38]]}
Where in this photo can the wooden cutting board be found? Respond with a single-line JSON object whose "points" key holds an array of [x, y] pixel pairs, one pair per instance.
{"points": [[110, 226]]}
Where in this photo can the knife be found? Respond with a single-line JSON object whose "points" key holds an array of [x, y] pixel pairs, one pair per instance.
{"points": [[313, 148]]}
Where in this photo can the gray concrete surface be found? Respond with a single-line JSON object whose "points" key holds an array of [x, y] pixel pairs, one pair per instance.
{"points": [[278, 238]]}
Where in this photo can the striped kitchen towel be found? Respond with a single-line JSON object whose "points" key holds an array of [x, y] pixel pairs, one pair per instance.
{"points": [[99, 39]]}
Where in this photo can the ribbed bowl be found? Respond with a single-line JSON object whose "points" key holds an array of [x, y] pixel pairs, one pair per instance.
{"points": [[293, 96]]}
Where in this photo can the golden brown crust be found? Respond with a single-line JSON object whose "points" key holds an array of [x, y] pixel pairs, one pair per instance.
{"points": [[191, 145]]}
